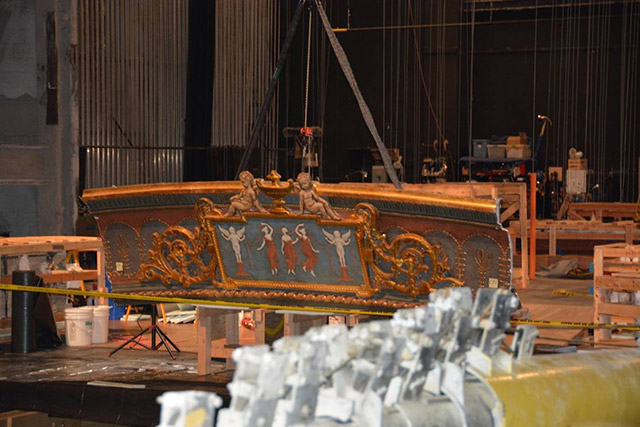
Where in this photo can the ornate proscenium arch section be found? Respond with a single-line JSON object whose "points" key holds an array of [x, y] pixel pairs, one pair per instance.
{"points": [[178, 254], [408, 264], [298, 243]]}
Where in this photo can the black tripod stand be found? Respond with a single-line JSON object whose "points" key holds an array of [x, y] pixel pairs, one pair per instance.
{"points": [[154, 329]]}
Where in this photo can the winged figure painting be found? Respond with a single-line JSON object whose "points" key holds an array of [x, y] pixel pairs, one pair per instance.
{"points": [[234, 237], [339, 241]]}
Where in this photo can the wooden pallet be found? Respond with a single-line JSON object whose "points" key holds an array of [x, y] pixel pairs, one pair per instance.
{"points": [[614, 271]]}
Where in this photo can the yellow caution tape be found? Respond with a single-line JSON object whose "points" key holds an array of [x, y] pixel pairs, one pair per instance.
{"points": [[236, 305], [273, 331], [567, 293], [580, 325], [159, 299]]}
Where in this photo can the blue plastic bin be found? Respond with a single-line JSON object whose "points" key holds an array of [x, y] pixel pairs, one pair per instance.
{"points": [[480, 147]]}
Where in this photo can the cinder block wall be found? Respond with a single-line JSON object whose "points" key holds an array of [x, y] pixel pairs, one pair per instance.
{"points": [[38, 161]]}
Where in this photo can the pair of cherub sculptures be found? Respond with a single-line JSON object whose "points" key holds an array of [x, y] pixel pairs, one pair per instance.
{"points": [[247, 199]]}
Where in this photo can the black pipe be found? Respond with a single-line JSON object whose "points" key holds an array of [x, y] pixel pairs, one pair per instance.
{"points": [[23, 325]]}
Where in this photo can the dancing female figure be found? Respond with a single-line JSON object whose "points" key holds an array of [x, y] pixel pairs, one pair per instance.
{"points": [[289, 251], [308, 251], [272, 251]]}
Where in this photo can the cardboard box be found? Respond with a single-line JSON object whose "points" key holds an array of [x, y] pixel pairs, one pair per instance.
{"points": [[514, 140], [521, 139], [557, 170]]}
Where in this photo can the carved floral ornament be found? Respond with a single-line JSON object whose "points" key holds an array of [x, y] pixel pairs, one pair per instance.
{"points": [[408, 263]]}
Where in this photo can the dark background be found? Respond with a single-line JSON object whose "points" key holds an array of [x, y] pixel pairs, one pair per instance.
{"points": [[515, 59]]}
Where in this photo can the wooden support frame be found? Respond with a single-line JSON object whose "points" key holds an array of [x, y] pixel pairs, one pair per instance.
{"points": [[294, 324], [298, 324], [614, 270], [204, 333], [552, 230], [601, 211], [532, 220], [15, 246]]}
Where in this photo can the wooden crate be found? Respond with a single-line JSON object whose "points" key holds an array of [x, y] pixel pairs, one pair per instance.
{"points": [[579, 164], [15, 246], [616, 269]]}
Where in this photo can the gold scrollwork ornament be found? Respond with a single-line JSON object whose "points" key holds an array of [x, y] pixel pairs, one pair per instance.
{"points": [[177, 252], [402, 263]]}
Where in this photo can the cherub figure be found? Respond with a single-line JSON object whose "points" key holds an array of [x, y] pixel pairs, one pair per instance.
{"points": [[247, 198], [234, 237], [339, 241], [310, 201]]}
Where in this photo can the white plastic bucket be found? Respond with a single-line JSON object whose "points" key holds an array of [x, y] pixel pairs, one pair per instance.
{"points": [[100, 324], [79, 326]]}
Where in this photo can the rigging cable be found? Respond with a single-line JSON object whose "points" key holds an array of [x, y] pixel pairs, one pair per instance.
{"points": [[341, 56], [273, 83], [623, 99], [633, 116], [307, 145], [322, 78], [587, 103], [306, 83], [533, 112], [442, 105], [633, 121], [459, 84], [397, 94], [470, 98], [549, 86], [635, 102], [384, 70], [405, 93]]}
